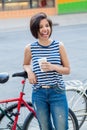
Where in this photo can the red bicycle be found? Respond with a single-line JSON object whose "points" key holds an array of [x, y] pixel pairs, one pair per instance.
{"points": [[16, 116]]}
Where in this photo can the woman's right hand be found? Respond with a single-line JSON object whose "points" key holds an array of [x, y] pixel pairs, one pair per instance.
{"points": [[32, 78]]}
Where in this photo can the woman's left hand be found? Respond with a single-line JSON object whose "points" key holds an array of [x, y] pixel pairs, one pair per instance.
{"points": [[47, 66]]}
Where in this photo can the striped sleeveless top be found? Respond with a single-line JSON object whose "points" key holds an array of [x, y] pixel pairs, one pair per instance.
{"points": [[51, 52]]}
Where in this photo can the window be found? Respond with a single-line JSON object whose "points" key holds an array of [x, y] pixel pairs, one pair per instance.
{"points": [[46, 3], [25, 4]]}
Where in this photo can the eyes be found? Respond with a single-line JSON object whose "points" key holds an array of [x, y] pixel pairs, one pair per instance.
{"points": [[44, 24]]}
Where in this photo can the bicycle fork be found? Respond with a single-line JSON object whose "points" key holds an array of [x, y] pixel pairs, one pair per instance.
{"points": [[18, 112]]}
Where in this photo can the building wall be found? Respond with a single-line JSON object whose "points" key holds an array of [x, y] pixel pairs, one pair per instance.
{"points": [[71, 6], [11, 10], [26, 13], [60, 7]]}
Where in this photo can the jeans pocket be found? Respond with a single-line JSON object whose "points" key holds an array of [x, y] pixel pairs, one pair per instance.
{"points": [[59, 89]]}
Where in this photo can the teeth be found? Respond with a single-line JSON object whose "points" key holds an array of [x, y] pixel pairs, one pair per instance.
{"points": [[44, 33]]}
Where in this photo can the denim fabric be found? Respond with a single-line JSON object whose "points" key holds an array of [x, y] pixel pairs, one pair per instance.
{"points": [[51, 108]]}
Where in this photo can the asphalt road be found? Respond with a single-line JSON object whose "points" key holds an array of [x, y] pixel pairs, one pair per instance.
{"points": [[12, 43]]}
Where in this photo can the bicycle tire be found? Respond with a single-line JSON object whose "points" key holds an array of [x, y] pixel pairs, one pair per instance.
{"points": [[78, 103], [31, 122], [5, 123]]}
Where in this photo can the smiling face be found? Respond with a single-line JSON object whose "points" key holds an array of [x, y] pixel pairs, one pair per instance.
{"points": [[41, 26], [44, 30]]}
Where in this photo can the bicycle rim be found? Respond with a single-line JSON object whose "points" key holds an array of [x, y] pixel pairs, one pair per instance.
{"points": [[31, 122], [72, 121], [6, 123], [78, 103]]}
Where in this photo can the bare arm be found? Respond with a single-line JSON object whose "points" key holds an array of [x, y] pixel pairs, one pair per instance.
{"points": [[65, 68], [27, 65]]}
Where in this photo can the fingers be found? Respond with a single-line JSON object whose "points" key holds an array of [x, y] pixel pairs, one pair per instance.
{"points": [[45, 66], [32, 79]]}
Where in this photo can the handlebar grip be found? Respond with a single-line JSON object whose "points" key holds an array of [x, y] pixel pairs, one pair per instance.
{"points": [[20, 74]]}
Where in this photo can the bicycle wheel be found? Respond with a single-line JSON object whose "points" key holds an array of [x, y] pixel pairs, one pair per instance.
{"points": [[31, 122], [6, 123], [78, 103]]}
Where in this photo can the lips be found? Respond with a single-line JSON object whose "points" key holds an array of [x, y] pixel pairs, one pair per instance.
{"points": [[44, 34]]}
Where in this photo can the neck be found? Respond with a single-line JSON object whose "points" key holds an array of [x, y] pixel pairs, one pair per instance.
{"points": [[45, 42]]}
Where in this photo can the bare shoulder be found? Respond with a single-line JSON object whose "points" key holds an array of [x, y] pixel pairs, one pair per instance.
{"points": [[61, 46], [27, 48]]}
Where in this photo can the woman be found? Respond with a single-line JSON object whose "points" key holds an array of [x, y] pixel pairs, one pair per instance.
{"points": [[45, 61]]}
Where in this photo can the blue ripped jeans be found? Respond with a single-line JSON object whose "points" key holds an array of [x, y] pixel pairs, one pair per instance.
{"points": [[51, 108]]}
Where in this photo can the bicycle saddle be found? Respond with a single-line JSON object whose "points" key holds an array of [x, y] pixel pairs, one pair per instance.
{"points": [[20, 74], [4, 77]]}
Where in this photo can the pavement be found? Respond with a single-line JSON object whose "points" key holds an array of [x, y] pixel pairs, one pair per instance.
{"points": [[61, 20]]}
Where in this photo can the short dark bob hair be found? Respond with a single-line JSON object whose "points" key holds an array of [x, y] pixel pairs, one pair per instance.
{"points": [[35, 22]]}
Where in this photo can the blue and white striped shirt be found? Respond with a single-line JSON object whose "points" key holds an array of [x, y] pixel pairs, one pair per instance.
{"points": [[51, 52]]}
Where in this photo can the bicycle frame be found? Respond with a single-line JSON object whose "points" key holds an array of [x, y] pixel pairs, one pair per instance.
{"points": [[77, 85], [20, 101]]}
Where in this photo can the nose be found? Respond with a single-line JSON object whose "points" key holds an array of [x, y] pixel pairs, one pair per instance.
{"points": [[44, 28]]}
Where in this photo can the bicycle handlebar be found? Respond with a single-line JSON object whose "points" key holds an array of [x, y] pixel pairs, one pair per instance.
{"points": [[20, 74]]}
